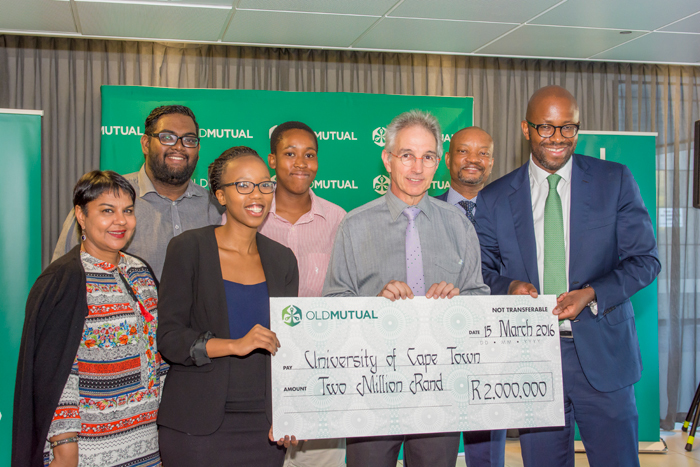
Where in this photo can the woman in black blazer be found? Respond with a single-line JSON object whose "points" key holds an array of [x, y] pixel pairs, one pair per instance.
{"points": [[216, 406]]}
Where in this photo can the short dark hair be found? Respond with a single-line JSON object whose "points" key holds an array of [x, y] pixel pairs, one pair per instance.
{"points": [[154, 116], [216, 168], [276, 135], [93, 184]]}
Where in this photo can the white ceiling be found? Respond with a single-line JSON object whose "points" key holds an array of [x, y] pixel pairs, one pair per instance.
{"points": [[649, 31]]}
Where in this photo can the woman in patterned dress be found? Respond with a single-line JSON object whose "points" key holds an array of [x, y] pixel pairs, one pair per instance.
{"points": [[89, 373]]}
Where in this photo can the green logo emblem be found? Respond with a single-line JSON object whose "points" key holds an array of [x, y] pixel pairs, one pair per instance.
{"points": [[291, 315]]}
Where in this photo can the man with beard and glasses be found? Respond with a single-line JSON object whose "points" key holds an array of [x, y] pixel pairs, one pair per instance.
{"points": [[576, 227], [470, 161], [167, 201]]}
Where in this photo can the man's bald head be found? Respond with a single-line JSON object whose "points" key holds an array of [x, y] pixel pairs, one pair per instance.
{"points": [[468, 133], [546, 94]]}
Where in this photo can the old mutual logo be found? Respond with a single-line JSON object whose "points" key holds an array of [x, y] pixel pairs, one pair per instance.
{"points": [[379, 136], [291, 316], [381, 184]]}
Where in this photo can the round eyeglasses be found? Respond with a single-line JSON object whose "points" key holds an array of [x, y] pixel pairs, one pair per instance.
{"points": [[170, 139], [546, 130], [408, 159], [246, 188]]}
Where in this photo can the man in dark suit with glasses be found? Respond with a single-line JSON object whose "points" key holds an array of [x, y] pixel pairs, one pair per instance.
{"points": [[576, 227]]}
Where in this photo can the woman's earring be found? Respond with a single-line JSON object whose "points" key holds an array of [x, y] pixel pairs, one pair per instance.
{"points": [[83, 237]]}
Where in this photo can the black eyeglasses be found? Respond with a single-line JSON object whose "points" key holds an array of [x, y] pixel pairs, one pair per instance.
{"points": [[246, 188], [546, 130], [170, 139]]}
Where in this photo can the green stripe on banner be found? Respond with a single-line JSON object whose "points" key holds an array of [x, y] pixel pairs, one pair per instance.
{"points": [[20, 248], [350, 128], [638, 152]]}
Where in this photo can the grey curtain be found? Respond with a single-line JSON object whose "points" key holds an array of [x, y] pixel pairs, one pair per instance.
{"points": [[63, 78]]}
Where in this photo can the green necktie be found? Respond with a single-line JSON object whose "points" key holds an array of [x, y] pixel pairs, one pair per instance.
{"points": [[554, 248]]}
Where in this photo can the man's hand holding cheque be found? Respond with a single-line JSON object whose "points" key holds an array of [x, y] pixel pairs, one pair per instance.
{"points": [[395, 290]]}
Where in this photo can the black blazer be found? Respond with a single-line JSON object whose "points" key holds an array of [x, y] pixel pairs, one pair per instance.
{"points": [[193, 301], [53, 327]]}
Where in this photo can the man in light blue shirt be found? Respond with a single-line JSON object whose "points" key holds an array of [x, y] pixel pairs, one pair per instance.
{"points": [[470, 161]]}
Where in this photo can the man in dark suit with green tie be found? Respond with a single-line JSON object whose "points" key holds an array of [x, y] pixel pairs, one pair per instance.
{"points": [[576, 227]]}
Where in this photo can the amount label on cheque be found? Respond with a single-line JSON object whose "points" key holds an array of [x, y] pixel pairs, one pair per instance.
{"points": [[369, 367]]}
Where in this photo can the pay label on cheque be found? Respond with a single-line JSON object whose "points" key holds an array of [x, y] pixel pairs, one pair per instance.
{"points": [[369, 367]]}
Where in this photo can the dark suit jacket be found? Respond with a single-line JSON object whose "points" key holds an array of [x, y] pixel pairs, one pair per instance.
{"points": [[193, 301], [612, 249], [443, 197]]}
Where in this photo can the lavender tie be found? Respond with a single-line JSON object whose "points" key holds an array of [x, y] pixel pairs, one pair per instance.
{"points": [[414, 257]]}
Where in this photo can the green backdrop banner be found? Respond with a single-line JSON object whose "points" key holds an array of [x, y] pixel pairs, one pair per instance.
{"points": [[638, 152], [350, 128], [20, 247]]}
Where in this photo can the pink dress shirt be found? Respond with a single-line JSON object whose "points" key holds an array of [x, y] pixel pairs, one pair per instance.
{"points": [[311, 240]]}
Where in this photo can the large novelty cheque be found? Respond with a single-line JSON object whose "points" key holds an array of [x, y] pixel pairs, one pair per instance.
{"points": [[368, 366]]}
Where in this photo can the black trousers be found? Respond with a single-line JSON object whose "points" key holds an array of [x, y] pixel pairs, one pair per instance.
{"points": [[428, 450], [240, 441]]}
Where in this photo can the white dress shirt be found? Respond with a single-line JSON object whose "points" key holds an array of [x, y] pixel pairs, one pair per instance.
{"points": [[539, 189]]}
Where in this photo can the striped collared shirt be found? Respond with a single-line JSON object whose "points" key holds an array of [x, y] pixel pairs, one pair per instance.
{"points": [[310, 238]]}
